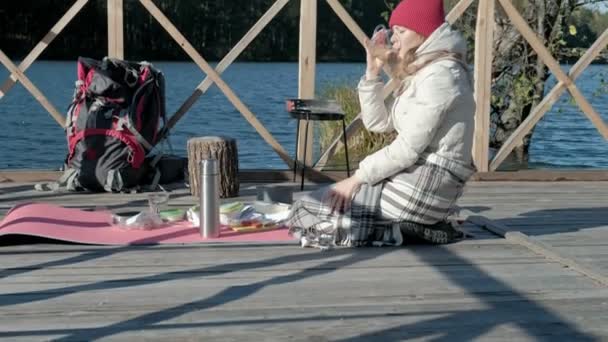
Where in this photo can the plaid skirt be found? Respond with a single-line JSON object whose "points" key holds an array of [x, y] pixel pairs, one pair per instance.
{"points": [[411, 205]]}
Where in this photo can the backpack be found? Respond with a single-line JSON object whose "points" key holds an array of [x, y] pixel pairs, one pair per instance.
{"points": [[113, 125]]}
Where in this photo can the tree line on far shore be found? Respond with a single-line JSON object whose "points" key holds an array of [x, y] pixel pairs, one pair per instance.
{"points": [[212, 26]]}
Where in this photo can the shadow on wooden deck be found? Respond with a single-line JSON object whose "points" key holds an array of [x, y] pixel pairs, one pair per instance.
{"points": [[450, 326], [502, 305]]}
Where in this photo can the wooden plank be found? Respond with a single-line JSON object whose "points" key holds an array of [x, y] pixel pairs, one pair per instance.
{"points": [[145, 259], [228, 92], [497, 200], [27, 84], [540, 175], [458, 10], [306, 73], [406, 319], [484, 35], [330, 271], [21, 176], [548, 101], [39, 48], [115, 29], [540, 248], [111, 269], [557, 179], [422, 306], [228, 59], [52, 278], [544, 249], [550, 221], [597, 253]]}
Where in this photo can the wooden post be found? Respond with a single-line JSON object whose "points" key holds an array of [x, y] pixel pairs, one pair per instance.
{"points": [[115, 29], [307, 64], [484, 37]]}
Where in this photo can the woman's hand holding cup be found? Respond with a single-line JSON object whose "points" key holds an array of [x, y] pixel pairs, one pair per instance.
{"points": [[377, 51]]}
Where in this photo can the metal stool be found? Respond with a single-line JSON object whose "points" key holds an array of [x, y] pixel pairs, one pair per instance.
{"points": [[315, 110]]}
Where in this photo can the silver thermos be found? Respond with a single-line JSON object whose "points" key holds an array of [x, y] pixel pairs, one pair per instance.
{"points": [[210, 201]]}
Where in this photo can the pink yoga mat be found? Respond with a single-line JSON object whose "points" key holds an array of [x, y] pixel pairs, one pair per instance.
{"points": [[74, 225]]}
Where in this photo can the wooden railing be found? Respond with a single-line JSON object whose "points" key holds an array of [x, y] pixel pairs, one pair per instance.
{"points": [[307, 62]]}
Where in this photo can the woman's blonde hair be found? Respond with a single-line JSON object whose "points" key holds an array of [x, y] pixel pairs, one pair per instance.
{"points": [[411, 63]]}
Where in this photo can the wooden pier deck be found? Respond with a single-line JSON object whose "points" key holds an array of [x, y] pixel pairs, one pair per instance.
{"points": [[547, 283]]}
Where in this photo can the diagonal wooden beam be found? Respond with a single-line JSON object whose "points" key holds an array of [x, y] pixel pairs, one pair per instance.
{"points": [[356, 124], [228, 92], [348, 21], [351, 24], [39, 48], [534, 41], [563, 79], [554, 66], [458, 10], [32, 88], [588, 110], [545, 105], [228, 60]]}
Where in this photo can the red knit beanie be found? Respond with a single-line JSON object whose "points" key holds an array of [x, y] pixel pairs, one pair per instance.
{"points": [[421, 16]]}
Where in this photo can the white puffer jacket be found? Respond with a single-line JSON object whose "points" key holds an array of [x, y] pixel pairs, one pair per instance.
{"points": [[434, 115]]}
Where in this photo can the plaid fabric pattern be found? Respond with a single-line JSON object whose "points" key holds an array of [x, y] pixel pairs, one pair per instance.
{"points": [[426, 193], [415, 202], [311, 220]]}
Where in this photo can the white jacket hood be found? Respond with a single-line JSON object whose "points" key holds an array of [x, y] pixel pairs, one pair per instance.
{"points": [[444, 38]]}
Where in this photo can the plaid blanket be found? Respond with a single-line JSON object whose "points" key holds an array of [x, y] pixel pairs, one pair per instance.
{"points": [[311, 220], [426, 192], [416, 202]]}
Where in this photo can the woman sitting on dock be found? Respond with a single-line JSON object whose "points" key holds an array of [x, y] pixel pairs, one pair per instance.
{"points": [[406, 190]]}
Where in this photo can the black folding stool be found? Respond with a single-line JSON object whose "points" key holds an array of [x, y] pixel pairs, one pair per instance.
{"points": [[315, 110]]}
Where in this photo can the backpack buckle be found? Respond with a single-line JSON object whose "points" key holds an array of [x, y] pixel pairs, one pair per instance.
{"points": [[131, 77]]}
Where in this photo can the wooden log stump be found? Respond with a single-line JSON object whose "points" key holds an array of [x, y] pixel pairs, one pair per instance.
{"points": [[224, 150]]}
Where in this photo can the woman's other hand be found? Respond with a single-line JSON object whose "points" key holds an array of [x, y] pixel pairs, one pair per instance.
{"points": [[340, 196]]}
